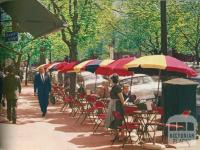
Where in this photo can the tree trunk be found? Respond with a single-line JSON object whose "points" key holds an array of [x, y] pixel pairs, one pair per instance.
{"points": [[26, 75], [42, 58], [73, 57], [17, 64], [197, 55]]}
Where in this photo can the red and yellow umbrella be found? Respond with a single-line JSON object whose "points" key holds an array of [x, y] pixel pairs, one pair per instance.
{"points": [[92, 66], [164, 63], [68, 67], [102, 67], [118, 67], [52, 66], [45, 66], [58, 66], [81, 66]]}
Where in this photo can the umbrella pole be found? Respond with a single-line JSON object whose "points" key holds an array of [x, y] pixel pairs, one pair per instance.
{"points": [[95, 83], [159, 78], [131, 83]]}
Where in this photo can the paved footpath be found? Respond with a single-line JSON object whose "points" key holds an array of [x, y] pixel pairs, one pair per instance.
{"points": [[56, 131]]}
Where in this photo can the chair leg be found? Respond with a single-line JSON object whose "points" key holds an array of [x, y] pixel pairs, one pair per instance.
{"points": [[79, 117], [95, 129], [115, 138], [116, 133], [62, 108], [84, 118]]}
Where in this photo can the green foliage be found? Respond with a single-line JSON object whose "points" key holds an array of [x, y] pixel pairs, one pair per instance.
{"points": [[128, 25]]}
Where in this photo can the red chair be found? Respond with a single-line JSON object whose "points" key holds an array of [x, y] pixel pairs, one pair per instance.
{"points": [[126, 126], [160, 110], [67, 103], [100, 114], [78, 104], [93, 107]]}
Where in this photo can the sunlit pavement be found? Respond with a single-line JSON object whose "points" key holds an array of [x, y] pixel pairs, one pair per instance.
{"points": [[57, 131]]}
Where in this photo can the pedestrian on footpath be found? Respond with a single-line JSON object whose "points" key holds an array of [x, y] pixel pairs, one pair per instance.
{"points": [[11, 88], [1, 87], [42, 87]]}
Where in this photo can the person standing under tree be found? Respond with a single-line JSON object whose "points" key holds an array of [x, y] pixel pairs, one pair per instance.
{"points": [[42, 86], [1, 86], [11, 85]]}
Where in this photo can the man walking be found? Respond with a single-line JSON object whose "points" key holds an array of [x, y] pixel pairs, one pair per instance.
{"points": [[11, 85], [42, 86]]}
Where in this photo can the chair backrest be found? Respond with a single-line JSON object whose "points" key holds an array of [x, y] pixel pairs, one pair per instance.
{"points": [[186, 113], [99, 105], [129, 110], [158, 109], [81, 95], [91, 98]]}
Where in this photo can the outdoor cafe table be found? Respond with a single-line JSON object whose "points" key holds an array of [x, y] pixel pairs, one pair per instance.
{"points": [[147, 121]]}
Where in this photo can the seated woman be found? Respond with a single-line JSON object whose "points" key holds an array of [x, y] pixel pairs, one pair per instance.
{"points": [[103, 90], [126, 92]]}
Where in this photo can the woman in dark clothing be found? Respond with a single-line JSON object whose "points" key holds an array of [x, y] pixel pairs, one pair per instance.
{"points": [[117, 96]]}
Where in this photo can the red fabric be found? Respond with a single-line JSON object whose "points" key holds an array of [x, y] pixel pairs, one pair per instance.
{"points": [[116, 67], [61, 65], [129, 110], [176, 65], [102, 70], [46, 66], [68, 67]]}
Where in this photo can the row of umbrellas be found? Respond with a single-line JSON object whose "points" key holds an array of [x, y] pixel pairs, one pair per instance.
{"points": [[126, 66]]}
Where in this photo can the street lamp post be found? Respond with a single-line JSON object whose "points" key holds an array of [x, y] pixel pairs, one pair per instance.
{"points": [[163, 18]]}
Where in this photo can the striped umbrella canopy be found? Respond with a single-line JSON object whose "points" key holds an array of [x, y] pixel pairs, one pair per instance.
{"points": [[102, 67], [50, 68], [167, 65], [45, 66], [58, 66], [118, 67], [93, 65], [81, 66], [69, 67]]}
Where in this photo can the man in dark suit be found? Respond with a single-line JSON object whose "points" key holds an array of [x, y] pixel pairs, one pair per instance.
{"points": [[11, 85], [42, 86]]}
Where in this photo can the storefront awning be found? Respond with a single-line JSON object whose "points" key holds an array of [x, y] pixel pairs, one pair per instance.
{"points": [[31, 16]]}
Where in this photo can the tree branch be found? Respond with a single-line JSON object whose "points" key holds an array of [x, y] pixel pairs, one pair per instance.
{"points": [[57, 11], [187, 38], [76, 27], [64, 38], [70, 9], [11, 50]]}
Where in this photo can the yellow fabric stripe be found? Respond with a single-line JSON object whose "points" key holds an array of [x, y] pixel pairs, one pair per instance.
{"points": [[106, 62], [78, 67], [153, 61]]}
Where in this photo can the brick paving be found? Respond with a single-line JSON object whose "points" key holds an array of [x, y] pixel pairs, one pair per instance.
{"points": [[57, 131]]}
